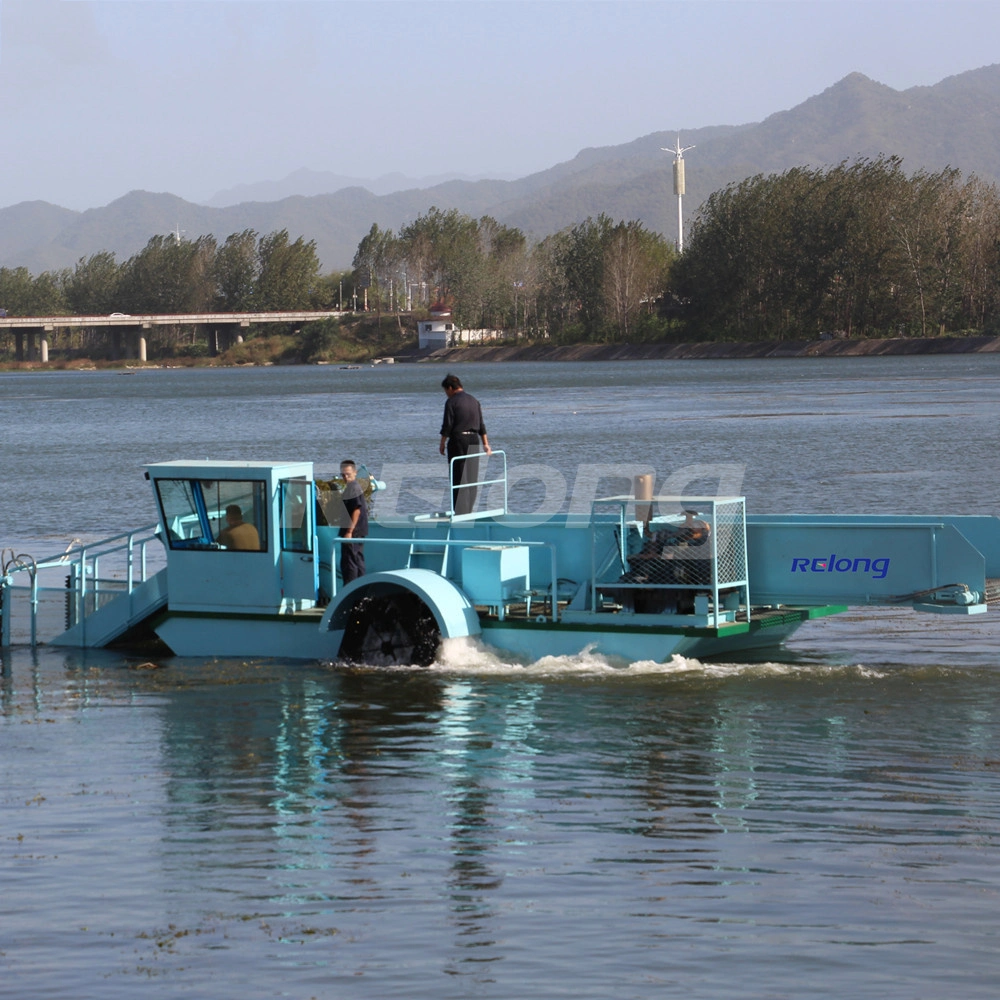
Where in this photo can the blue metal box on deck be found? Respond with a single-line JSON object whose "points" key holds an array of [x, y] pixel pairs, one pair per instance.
{"points": [[495, 575]]}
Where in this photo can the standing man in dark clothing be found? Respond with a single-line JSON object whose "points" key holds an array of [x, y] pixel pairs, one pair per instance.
{"points": [[352, 556], [461, 431]]}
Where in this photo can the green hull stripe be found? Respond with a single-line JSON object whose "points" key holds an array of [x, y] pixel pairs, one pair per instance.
{"points": [[780, 619]]}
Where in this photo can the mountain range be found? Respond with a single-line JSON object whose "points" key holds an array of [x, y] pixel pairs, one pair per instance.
{"points": [[953, 123], [309, 182]]}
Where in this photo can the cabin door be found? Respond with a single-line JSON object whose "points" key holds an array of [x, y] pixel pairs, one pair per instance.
{"points": [[299, 565]]}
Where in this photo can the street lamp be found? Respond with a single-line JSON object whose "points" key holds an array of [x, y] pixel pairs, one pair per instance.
{"points": [[678, 151]]}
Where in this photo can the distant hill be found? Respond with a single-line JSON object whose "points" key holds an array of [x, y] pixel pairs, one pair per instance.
{"points": [[311, 182], [28, 225], [955, 122]]}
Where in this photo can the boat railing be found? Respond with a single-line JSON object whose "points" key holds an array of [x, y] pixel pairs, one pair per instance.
{"points": [[551, 593], [482, 462], [63, 589], [689, 558]]}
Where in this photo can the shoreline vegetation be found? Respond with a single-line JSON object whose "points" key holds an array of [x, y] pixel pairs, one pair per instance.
{"points": [[694, 351]]}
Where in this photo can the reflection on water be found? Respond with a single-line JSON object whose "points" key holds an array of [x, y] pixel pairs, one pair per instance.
{"points": [[311, 825]]}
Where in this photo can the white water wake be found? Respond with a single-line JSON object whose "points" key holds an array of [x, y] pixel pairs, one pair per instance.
{"points": [[469, 656]]}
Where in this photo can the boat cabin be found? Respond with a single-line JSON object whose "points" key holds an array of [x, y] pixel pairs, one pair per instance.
{"points": [[239, 535]]}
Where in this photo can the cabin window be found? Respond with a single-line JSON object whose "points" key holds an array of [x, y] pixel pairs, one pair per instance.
{"points": [[296, 523], [218, 514]]}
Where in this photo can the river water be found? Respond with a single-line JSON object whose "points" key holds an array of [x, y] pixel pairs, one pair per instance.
{"points": [[825, 824]]}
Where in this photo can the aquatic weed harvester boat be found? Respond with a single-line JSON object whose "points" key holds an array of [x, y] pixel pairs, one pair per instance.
{"points": [[639, 578]]}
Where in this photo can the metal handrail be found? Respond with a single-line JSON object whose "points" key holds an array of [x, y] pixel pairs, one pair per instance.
{"points": [[86, 559], [65, 557], [476, 485]]}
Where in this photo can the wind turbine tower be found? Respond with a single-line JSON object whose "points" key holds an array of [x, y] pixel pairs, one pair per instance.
{"points": [[679, 151]]}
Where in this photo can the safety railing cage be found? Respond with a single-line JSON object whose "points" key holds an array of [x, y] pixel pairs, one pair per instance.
{"points": [[42, 598], [672, 555]]}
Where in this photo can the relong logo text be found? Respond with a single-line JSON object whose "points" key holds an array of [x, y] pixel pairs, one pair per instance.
{"points": [[878, 568]]}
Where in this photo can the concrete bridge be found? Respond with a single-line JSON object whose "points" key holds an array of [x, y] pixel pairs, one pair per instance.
{"points": [[33, 333]]}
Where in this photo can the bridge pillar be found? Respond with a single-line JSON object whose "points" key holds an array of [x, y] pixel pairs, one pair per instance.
{"points": [[18, 345], [29, 347], [43, 346], [142, 345]]}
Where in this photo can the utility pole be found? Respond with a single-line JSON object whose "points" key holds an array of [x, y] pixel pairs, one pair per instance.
{"points": [[678, 152]]}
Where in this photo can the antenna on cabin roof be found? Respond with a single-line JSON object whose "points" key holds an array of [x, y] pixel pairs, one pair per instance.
{"points": [[679, 151]]}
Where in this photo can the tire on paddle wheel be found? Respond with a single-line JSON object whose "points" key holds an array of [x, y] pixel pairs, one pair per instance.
{"points": [[391, 629]]}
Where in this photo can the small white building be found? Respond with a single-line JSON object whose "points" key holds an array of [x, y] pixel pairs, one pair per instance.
{"points": [[438, 331]]}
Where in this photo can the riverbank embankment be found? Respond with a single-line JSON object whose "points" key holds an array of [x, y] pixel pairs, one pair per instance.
{"points": [[697, 351], [722, 350]]}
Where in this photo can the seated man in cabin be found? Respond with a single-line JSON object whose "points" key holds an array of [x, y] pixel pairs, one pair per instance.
{"points": [[238, 535]]}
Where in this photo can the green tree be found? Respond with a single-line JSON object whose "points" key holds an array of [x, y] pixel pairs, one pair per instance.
{"points": [[550, 303], [442, 252], [376, 259], [582, 261], [635, 271], [417, 256], [861, 248], [980, 270], [503, 250], [92, 288], [23, 294], [170, 275], [287, 272], [237, 268]]}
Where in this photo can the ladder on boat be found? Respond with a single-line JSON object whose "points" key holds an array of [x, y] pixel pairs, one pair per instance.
{"points": [[425, 551]]}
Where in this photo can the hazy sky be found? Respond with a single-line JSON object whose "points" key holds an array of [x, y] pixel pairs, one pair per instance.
{"points": [[99, 97]]}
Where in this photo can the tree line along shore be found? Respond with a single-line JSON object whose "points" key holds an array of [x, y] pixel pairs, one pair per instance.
{"points": [[823, 258]]}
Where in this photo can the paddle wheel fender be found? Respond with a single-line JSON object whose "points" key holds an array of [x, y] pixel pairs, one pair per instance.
{"points": [[399, 617]]}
